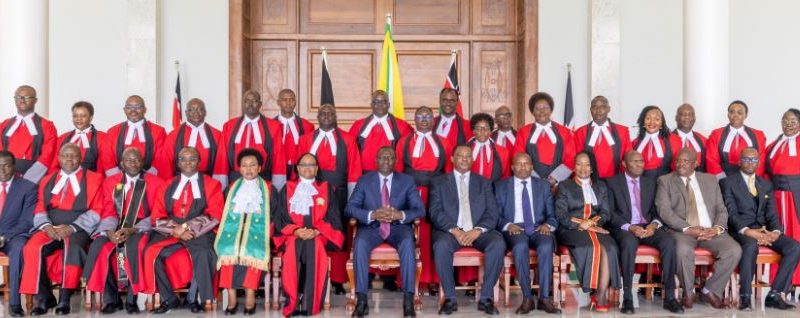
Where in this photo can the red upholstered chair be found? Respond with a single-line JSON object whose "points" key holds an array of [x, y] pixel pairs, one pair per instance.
{"points": [[508, 264], [651, 257], [383, 257], [468, 256]]}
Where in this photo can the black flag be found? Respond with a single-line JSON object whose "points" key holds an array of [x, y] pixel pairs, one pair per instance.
{"points": [[568, 108], [326, 91]]}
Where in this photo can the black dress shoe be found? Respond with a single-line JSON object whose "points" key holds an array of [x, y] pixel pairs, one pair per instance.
{"points": [[488, 307], [470, 293], [527, 305], [110, 308], [361, 306], [43, 307], [16, 311], [448, 307], [63, 309], [249, 311], [164, 308], [408, 306], [196, 307], [338, 288], [627, 307], [774, 300], [433, 289], [132, 309], [744, 303], [231, 311], [389, 283], [548, 306], [673, 306]]}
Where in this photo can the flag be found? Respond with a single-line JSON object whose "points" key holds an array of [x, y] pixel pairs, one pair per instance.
{"points": [[177, 110], [389, 76], [326, 91], [569, 110], [451, 81]]}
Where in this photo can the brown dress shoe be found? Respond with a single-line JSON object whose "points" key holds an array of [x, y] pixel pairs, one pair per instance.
{"points": [[687, 301], [526, 306], [548, 306], [713, 300]]}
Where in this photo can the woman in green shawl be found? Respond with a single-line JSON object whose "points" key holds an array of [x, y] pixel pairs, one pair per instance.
{"points": [[243, 240]]}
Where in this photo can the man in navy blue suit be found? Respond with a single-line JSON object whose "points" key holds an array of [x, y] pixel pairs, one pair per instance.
{"points": [[17, 201], [464, 213], [527, 220], [385, 203]]}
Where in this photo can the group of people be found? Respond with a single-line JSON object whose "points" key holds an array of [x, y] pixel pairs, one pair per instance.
{"points": [[135, 207]]}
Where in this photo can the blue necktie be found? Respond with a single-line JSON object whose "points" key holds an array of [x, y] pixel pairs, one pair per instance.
{"points": [[527, 215]]}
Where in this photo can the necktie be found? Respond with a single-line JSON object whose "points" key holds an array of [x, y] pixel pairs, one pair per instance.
{"points": [[527, 213], [385, 228], [248, 129], [3, 187], [463, 203], [751, 184], [637, 199], [482, 155], [692, 216]]}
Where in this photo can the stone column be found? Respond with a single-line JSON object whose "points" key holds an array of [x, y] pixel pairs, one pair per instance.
{"points": [[23, 52], [142, 58], [604, 53]]}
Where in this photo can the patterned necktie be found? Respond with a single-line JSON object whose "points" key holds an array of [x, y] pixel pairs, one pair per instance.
{"points": [[463, 204], [385, 227], [692, 216], [527, 212], [3, 187], [637, 199], [751, 184]]}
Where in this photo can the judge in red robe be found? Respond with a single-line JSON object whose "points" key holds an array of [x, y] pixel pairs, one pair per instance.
{"points": [[185, 217], [31, 138], [783, 167], [293, 127], [253, 130], [309, 224], [124, 228], [424, 155], [339, 166], [658, 147], [489, 160], [198, 134], [86, 136], [450, 125], [550, 144], [605, 142], [68, 211], [377, 130], [505, 136], [137, 132], [685, 119], [725, 143]]}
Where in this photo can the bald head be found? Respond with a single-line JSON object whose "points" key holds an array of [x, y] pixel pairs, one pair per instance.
{"points": [[748, 160], [685, 117], [503, 118], [188, 158]]}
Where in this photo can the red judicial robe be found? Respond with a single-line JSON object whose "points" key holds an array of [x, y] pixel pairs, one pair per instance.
{"points": [[341, 171], [696, 141], [423, 169], [721, 161], [102, 258], [33, 152], [505, 140], [457, 131], [369, 142], [291, 138], [90, 148], [655, 166], [783, 167], [308, 254], [268, 143], [116, 143], [495, 166], [210, 154], [606, 158], [81, 211], [196, 254], [547, 155]]}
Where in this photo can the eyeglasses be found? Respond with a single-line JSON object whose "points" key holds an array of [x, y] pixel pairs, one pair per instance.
{"points": [[307, 165], [481, 128], [24, 98], [188, 159], [423, 117], [749, 160], [134, 106]]}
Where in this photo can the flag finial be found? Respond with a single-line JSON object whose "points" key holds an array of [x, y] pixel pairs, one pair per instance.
{"points": [[569, 67]]}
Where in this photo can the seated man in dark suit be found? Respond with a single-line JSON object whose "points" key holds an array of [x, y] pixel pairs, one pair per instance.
{"points": [[527, 219], [634, 221], [385, 203], [464, 212], [17, 201], [753, 223]]}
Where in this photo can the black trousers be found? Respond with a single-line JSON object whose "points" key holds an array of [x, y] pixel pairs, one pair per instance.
{"points": [[790, 254], [661, 240]]}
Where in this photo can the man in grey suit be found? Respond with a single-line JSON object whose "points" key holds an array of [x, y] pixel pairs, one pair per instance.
{"points": [[690, 203]]}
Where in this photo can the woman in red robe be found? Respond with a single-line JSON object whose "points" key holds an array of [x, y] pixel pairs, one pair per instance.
{"points": [[489, 160], [309, 225], [657, 146], [783, 167], [86, 136], [725, 143]]}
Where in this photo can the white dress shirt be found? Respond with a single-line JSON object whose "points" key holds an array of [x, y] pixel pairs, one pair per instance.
{"points": [[702, 211]]}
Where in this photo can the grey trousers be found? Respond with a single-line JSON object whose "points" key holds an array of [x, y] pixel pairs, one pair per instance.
{"points": [[726, 253]]}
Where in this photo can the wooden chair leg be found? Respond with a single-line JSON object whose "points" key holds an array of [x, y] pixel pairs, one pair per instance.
{"points": [[507, 284], [480, 282], [556, 284], [351, 298], [649, 291], [276, 292], [417, 299], [327, 304], [7, 286]]}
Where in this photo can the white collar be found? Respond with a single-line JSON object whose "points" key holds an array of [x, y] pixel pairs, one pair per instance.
{"points": [[322, 135], [651, 138], [601, 129], [588, 192], [302, 201], [289, 126], [732, 133], [421, 139], [62, 182], [502, 136], [129, 181], [790, 140], [478, 146], [28, 120], [443, 129], [184, 180], [547, 129], [136, 128], [383, 121], [688, 138], [746, 177], [256, 131], [458, 176], [248, 198], [197, 131], [81, 138]]}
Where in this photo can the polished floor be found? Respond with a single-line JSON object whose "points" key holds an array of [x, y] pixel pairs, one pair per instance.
{"points": [[387, 304]]}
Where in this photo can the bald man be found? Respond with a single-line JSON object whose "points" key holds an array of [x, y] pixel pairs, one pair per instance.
{"points": [[505, 135], [31, 138], [198, 134], [137, 132], [685, 119]]}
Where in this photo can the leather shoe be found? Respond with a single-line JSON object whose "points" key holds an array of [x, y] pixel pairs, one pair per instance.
{"points": [[132, 308], [43, 307], [361, 306], [164, 308], [548, 306], [713, 300], [673, 306], [63, 309], [687, 301], [196, 307], [16, 311], [109, 308], [744, 303], [627, 307], [488, 307], [526, 306], [774, 300], [250, 311], [231, 311], [408, 306], [448, 307], [338, 288]]}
